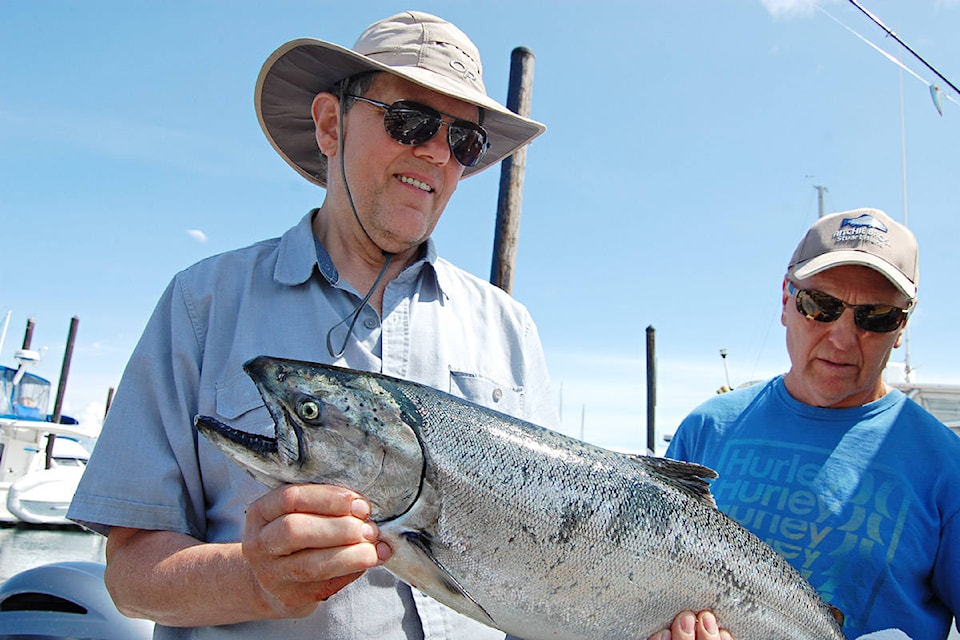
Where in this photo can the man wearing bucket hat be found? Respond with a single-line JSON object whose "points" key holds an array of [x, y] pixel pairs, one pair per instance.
{"points": [[388, 128], [853, 482]]}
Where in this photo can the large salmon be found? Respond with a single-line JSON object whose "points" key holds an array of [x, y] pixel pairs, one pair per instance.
{"points": [[527, 530]]}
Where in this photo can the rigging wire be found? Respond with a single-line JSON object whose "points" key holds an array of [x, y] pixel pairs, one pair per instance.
{"points": [[903, 44], [935, 91]]}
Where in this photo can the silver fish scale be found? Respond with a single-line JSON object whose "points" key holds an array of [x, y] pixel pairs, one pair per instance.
{"points": [[556, 538], [523, 528]]}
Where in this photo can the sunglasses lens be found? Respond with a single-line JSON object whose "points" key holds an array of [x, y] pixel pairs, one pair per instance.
{"points": [[411, 124], [414, 124], [468, 142], [819, 306], [822, 307], [879, 318]]}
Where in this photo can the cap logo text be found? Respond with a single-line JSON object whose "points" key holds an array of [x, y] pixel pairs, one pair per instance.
{"points": [[462, 69], [864, 229]]}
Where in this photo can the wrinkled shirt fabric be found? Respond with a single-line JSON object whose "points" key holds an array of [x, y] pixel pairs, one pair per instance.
{"points": [[862, 501], [440, 326]]}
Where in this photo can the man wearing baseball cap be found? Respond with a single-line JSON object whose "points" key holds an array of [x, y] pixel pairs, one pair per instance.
{"points": [[850, 480], [388, 128]]}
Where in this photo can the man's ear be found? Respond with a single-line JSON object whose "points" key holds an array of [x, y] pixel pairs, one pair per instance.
{"points": [[785, 298], [899, 341], [326, 119]]}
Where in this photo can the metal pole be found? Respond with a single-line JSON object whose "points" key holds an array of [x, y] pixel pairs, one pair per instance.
{"points": [[651, 390], [109, 401], [25, 356], [28, 334], [62, 386], [820, 189], [6, 323], [506, 236], [726, 373]]}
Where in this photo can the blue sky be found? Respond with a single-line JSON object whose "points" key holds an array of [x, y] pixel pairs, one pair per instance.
{"points": [[677, 173]]}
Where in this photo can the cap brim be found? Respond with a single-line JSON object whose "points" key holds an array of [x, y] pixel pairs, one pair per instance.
{"points": [[300, 69], [838, 258]]}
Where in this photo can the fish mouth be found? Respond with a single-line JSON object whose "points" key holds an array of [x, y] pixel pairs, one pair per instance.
{"points": [[257, 454], [256, 443]]}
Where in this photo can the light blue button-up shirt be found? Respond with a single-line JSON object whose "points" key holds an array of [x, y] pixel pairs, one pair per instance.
{"points": [[440, 326]]}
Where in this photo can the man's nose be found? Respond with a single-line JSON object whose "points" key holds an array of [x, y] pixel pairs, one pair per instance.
{"points": [[436, 149], [844, 331]]}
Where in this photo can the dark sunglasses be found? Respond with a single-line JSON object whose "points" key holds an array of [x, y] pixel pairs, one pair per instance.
{"points": [[412, 123], [822, 307]]}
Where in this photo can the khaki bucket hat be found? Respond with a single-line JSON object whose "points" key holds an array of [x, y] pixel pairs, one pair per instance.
{"points": [[418, 47]]}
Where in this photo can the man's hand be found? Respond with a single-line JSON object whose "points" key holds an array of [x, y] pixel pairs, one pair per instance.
{"points": [[306, 542], [690, 626]]}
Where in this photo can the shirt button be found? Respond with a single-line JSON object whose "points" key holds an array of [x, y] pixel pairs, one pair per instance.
{"points": [[497, 394], [370, 323]]}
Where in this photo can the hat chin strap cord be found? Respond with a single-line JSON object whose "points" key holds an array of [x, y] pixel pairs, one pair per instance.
{"points": [[354, 315]]}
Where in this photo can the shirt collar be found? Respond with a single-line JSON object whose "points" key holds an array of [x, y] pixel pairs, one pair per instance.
{"points": [[297, 254], [299, 251]]}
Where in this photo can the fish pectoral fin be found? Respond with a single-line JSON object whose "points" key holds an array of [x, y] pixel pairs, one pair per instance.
{"points": [[422, 543], [690, 478]]}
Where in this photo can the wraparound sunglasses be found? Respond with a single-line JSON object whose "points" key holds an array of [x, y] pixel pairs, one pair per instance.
{"points": [[412, 124], [822, 307]]}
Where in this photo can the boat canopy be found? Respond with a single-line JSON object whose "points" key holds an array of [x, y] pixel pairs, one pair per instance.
{"points": [[26, 400]]}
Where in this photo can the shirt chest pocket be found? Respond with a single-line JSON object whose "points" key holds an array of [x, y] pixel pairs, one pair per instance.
{"points": [[239, 405], [487, 393]]}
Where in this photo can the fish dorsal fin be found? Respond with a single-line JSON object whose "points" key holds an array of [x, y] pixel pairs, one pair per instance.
{"points": [[690, 478], [837, 614]]}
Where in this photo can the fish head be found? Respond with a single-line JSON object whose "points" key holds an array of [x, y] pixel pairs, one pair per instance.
{"points": [[332, 426]]}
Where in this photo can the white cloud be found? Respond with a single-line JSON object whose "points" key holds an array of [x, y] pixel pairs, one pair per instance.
{"points": [[791, 8], [197, 235]]}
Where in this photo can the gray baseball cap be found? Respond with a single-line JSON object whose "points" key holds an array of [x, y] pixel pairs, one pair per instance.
{"points": [[867, 237], [418, 47]]}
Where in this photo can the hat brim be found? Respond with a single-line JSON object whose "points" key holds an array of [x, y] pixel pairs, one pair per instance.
{"points": [[300, 69], [838, 258]]}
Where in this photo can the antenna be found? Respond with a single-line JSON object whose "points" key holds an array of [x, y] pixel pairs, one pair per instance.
{"points": [[6, 323], [820, 191], [726, 373], [907, 369]]}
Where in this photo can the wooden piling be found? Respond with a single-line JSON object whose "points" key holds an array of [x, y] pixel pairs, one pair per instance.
{"points": [[506, 236]]}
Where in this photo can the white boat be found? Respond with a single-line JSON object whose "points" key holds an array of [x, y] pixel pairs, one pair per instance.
{"points": [[942, 400], [43, 496], [31, 488]]}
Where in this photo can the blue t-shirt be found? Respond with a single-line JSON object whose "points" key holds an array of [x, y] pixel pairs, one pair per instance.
{"points": [[864, 502]]}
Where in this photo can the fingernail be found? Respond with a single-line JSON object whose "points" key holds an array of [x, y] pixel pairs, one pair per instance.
{"points": [[384, 551], [709, 622], [688, 623], [360, 509], [369, 531]]}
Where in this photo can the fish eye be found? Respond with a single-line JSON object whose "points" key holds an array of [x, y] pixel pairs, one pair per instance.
{"points": [[308, 409]]}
